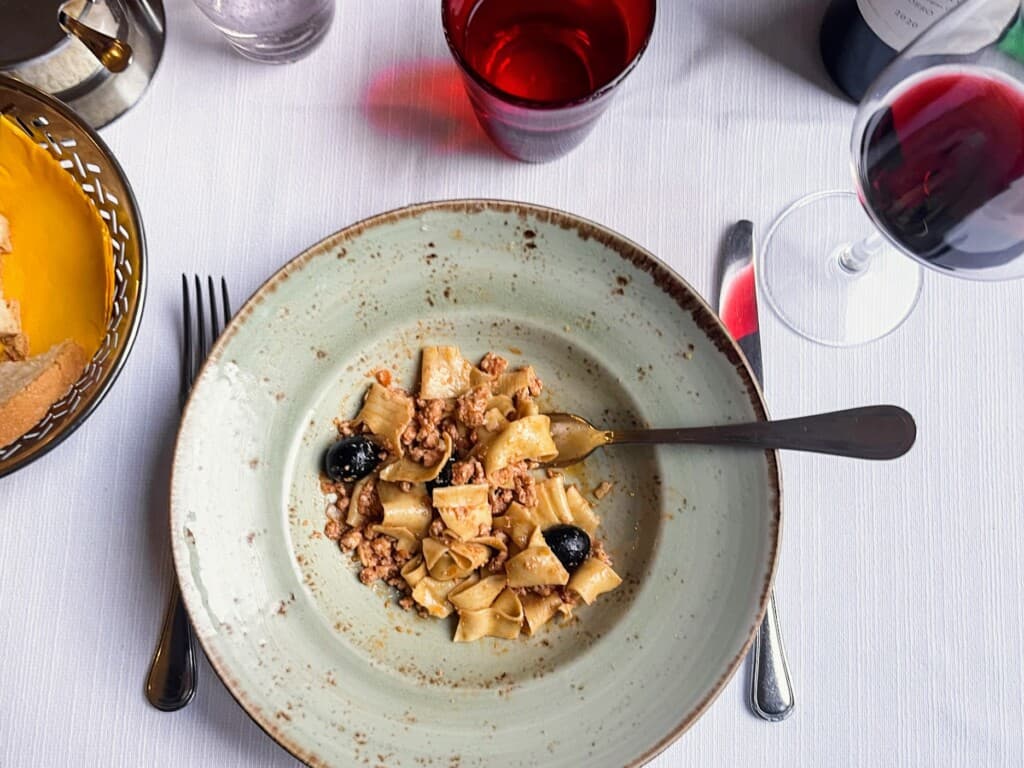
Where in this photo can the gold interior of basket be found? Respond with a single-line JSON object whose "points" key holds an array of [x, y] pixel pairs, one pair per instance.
{"points": [[75, 149]]}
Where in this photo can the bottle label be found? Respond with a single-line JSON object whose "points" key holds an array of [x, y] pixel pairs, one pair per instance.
{"points": [[898, 22]]}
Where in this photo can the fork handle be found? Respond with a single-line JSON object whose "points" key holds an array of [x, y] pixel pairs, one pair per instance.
{"points": [[872, 432], [172, 676]]}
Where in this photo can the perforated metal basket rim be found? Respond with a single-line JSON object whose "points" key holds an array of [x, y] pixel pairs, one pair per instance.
{"points": [[96, 396]]}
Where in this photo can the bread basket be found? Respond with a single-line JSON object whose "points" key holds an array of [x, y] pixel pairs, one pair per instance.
{"points": [[84, 156]]}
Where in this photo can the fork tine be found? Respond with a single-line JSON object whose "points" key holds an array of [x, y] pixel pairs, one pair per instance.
{"points": [[226, 301], [214, 320], [197, 342], [204, 347], [187, 341]]}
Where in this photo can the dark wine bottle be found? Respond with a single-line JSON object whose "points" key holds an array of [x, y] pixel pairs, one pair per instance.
{"points": [[860, 37]]}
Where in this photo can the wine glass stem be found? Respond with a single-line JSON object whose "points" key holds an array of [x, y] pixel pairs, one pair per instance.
{"points": [[854, 259]]}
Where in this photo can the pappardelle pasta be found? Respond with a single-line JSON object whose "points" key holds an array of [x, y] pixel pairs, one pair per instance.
{"points": [[439, 495]]}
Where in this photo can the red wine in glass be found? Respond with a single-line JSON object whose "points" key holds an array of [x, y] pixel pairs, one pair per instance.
{"points": [[943, 169], [539, 72], [547, 51]]}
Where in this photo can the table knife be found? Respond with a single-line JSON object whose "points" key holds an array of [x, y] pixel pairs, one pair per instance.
{"points": [[771, 689]]}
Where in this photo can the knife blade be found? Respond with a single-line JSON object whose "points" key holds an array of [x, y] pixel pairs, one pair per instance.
{"points": [[737, 296], [771, 688]]}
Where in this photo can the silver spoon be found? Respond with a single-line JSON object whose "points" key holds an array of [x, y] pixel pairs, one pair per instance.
{"points": [[872, 432], [112, 53]]}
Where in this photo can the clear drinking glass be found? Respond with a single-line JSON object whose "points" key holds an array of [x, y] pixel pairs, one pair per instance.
{"points": [[271, 31], [539, 73], [938, 162]]}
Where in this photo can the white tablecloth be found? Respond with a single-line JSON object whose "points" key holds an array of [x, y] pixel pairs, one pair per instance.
{"points": [[901, 585]]}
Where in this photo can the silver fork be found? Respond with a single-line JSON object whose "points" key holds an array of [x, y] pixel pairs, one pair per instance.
{"points": [[171, 682]]}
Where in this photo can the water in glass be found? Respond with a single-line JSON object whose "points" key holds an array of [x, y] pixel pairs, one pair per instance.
{"points": [[272, 31]]}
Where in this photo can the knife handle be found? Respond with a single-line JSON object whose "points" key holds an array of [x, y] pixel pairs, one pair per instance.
{"points": [[771, 689]]}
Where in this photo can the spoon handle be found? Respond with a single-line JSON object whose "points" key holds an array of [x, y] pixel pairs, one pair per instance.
{"points": [[112, 53], [872, 432]]}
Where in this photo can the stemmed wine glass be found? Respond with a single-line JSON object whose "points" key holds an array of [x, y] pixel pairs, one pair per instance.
{"points": [[938, 162]]}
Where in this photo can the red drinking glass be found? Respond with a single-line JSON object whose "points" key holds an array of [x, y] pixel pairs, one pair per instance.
{"points": [[540, 72]]}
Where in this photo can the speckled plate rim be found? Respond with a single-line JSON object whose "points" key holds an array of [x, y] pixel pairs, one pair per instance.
{"points": [[665, 278]]}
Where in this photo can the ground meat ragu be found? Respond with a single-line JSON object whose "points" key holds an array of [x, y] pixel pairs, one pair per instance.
{"points": [[464, 440], [597, 551], [348, 427], [377, 554], [567, 596], [368, 504], [350, 539], [493, 364], [497, 563], [500, 500], [380, 558], [427, 456], [533, 388], [333, 530], [470, 407], [422, 438], [523, 487], [328, 486], [525, 490], [468, 472]]}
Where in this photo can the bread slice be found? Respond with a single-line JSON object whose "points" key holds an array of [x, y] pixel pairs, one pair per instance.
{"points": [[13, 343], [10, 317], [5, 235], [13, 347], [29, 387]]}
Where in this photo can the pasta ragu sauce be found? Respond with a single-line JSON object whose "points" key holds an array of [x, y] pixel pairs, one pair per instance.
{"points": [[438, 494]]}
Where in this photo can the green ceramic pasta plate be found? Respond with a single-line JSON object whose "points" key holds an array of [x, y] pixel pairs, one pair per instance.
{"points": [[338, 673]]}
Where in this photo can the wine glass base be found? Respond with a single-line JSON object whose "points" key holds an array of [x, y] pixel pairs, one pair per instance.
{"points": [[806, 276]]}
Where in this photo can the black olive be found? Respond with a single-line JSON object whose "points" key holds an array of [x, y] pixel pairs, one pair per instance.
{"points": [[444, 477], [570, 544], [351, 458]]}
